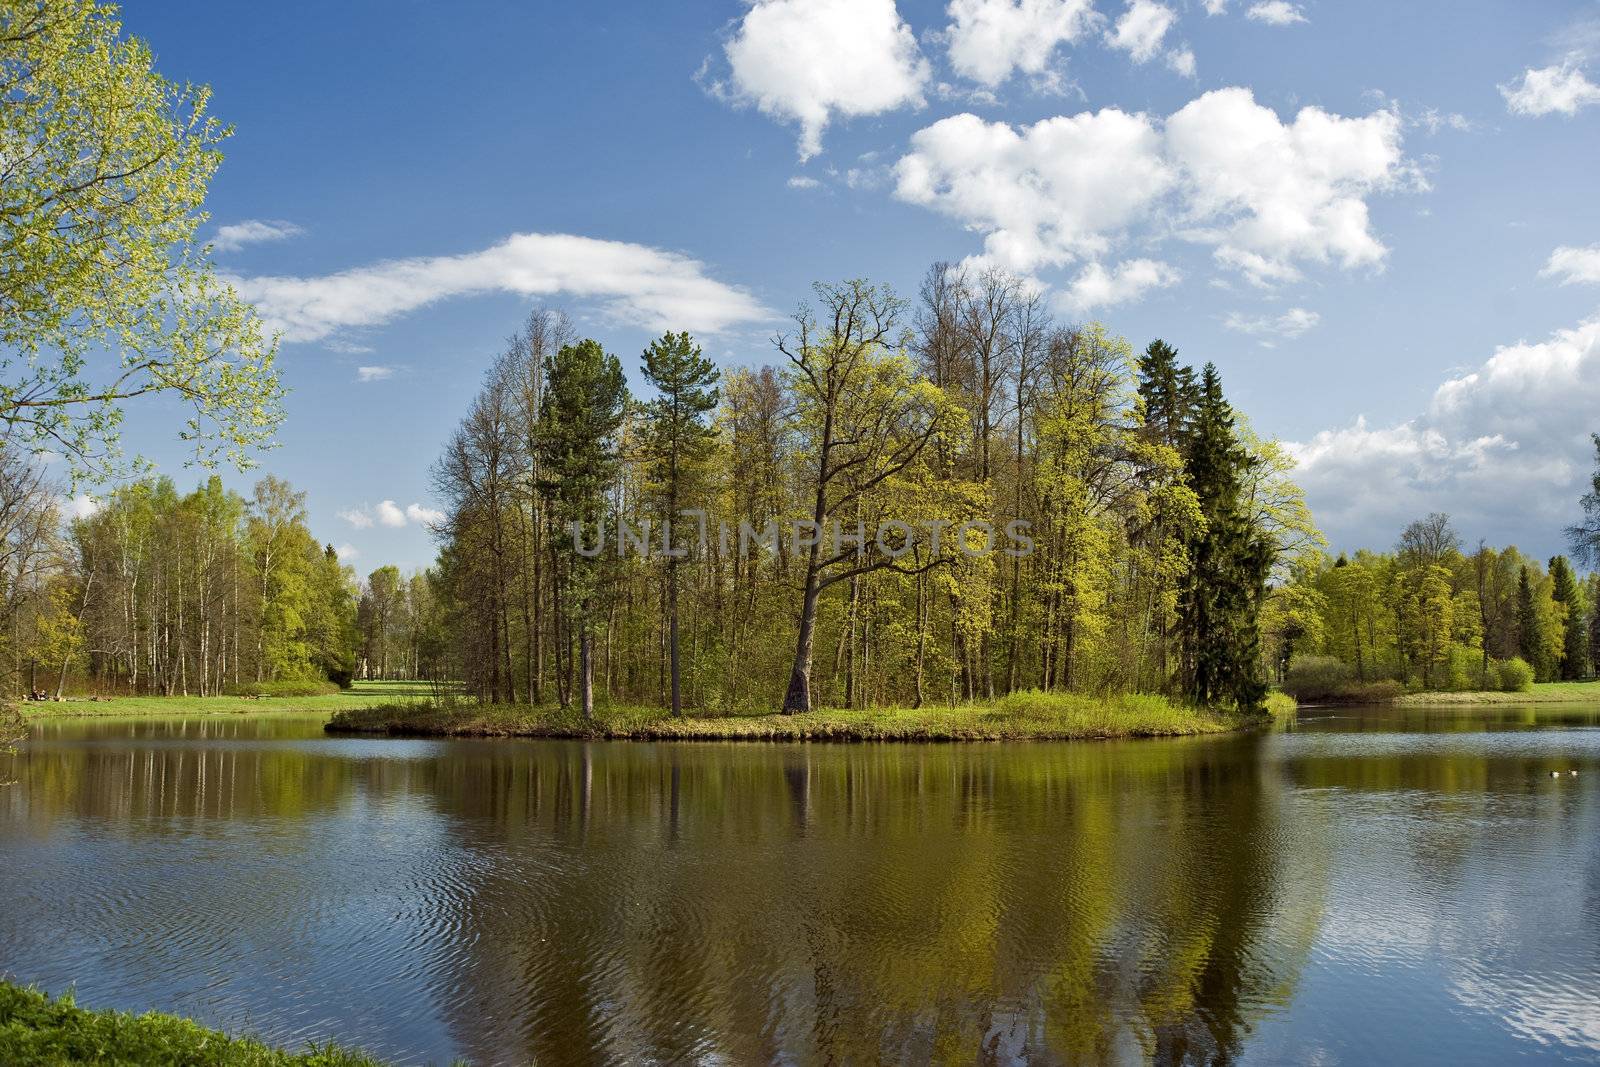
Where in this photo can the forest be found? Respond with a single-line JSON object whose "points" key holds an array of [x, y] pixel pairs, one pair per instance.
{"points": [[1168, 551]]}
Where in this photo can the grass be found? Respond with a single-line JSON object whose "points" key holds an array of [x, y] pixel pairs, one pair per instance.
{"points": [[1541, 693], [1020, 716], [36, 1030], [360, 695]]}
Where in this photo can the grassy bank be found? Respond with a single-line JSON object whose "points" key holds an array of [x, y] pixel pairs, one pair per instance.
{"points": [[1020, 716], [1542, 693], [360, 695], [37, 1030]]}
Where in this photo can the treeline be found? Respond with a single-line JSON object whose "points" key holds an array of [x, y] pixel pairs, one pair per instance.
{"points": [[1151, 517], [1429, 615], [158, 592]]}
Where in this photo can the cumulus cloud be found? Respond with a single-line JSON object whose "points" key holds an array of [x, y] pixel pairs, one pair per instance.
{"points": [[357, 517], [1216, 7], [805, 61], [1505, 449], [347, 553], [800, 181], [1275, 13], [990, 39], [373, 374], [236, 235], [1562, 88], [645, 286], [1268, 196], [82, 506], [1141, 29], [1181, 61], [1574, 266], [389, 513], [1290, 324], [1097, 287], [424, 516]]}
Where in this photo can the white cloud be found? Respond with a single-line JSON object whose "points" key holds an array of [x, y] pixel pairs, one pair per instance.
{"points": [[1181, 61], [389, 513], [424, 516], [347, 553], [1562, 88], [235, 236], [1265, 194], [1270, 194], [1141, 29], [1097, 287], [805, 61], [1433, 120], [1275, 13], [1216, 7], [1505, 449], [357, 517], [373, 374], [800, 181], [1574, 266], [989, 39], [1290, 324], [646, 286], [82, 506], [1043, 195]]}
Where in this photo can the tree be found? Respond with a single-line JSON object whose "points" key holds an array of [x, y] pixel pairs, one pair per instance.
{"points": [[106, 168], [866, 419], [1529, 646], [1574, 642], [1584, 537], [677, 440], [582, 410], [1230, 561]]}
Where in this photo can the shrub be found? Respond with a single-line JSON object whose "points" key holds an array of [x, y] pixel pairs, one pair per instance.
{"points": [[1513, 675], [1316, 677]]}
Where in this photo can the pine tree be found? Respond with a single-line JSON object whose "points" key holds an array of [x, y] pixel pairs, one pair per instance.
{"points": [[1528, 645], [676, 439], [1229, 562], [1574, 642], [1169, 395], [579, 417]]}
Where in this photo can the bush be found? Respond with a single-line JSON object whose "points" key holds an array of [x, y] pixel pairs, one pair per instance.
{"points": [[1326, 680], [286, 688], [1513, 675], [1316, 677]]}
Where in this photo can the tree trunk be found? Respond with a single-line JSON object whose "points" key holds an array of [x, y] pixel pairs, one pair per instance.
{"points": [[586, 673]]}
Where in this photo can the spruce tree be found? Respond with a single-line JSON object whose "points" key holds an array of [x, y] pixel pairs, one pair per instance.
{"points": [[1168, 391], [1528, 623], [677, 438], [579, 416], [1229, 563], [1574, 643]]}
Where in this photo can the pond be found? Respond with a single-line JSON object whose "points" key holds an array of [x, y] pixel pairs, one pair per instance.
{"points": [[1368, 885]]}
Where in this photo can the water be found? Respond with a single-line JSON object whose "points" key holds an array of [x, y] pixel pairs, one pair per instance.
{"points": [[1370, 886]]}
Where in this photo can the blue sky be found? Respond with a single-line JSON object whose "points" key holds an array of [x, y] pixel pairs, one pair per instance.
{"points": [[1354, 209]]}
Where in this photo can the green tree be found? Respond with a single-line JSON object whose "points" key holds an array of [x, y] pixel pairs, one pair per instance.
{"points": [[1564, 591], [1529, 646], [580, 414], [677, 440], [104, 295], [1229, 564], [1584, 537]]}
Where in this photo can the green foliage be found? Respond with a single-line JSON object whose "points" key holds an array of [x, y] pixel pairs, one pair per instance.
{"points": [[104, 295], [1584, 536], [286, 688], [34, 1029], [1513, 675]]}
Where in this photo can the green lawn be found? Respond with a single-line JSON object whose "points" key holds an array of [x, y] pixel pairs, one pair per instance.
{"points": [[1021, 716], [35, 1030], [360, 695], [1542, 693]]}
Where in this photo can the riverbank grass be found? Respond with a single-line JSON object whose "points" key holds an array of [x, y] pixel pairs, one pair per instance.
{"points": [[360, 695], [36, 1030], [1541, 693], [1017, 717]]}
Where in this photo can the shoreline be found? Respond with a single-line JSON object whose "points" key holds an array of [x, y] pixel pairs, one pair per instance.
{"points": [[1019, 717]]}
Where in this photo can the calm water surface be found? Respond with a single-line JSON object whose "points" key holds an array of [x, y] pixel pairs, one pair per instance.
{"points": [[1370, 886]]}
